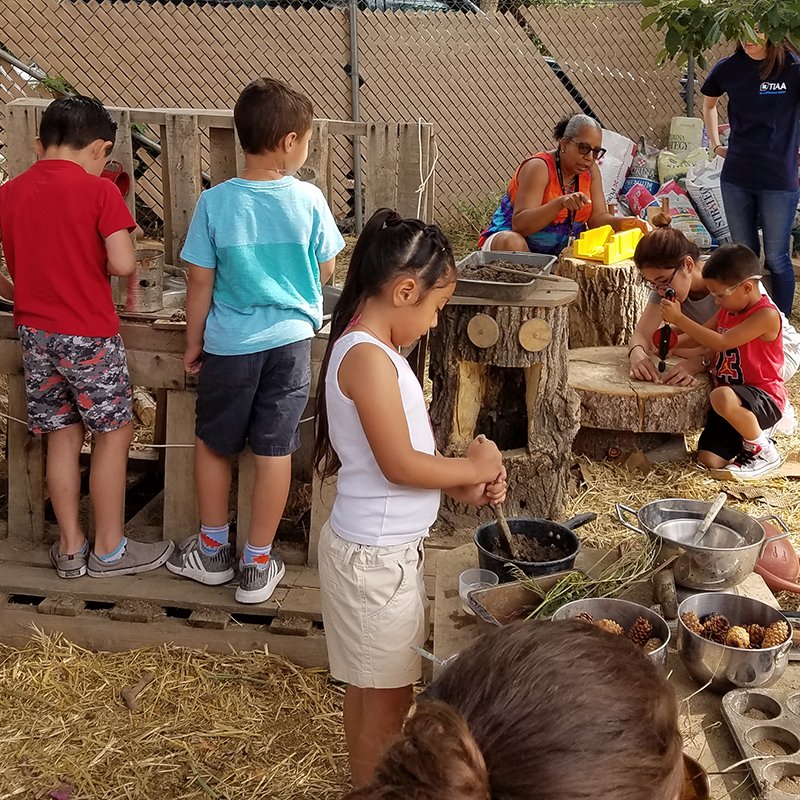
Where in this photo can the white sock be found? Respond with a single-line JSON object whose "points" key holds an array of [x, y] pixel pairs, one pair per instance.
{"points": [[759, 443]]}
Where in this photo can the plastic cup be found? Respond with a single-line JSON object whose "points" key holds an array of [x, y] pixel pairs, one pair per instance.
{"points": [[471, 580]]}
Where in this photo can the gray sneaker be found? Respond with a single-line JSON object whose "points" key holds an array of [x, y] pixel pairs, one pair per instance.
{"points": [[190, 561], [68, 566], [257, 585], [139, 557]]}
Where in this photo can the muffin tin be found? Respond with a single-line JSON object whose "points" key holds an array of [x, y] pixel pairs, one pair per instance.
{"points": [[766, 722]]}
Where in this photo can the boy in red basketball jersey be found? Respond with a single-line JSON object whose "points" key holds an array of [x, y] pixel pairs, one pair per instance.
{"points": [[749, 395]]}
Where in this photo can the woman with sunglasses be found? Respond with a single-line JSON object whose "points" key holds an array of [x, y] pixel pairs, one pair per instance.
{"points": [[554, 196], [668, 260], [759, 178]]}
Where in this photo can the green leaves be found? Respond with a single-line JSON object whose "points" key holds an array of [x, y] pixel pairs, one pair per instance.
{"points": [[692, 27]]}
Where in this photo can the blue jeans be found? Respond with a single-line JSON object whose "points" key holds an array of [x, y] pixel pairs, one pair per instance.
{"points": [[774, 211]]}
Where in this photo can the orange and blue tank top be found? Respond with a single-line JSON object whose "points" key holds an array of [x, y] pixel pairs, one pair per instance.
{"points": [[553, 238]]}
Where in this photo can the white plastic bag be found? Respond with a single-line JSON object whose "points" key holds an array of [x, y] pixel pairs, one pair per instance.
{"points": [[684, 217], [616, 162], [703, 186]]}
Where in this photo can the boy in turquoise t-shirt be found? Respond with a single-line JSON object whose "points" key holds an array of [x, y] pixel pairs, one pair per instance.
{"points": [[259, 248]]}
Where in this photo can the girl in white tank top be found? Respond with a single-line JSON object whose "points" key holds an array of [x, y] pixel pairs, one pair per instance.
{"points": [[373, 430]]}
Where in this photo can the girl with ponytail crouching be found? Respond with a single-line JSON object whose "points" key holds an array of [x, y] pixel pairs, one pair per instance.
{"points": [[373, 430], [539, 711]]}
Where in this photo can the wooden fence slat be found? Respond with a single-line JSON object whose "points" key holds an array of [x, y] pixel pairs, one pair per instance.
{"points": [[180, 513], [318, 164], [21, 130], [184, 167], [408, 168], [380, 189], [123, 151], [25, 470], [170, 256], [222, 145]]}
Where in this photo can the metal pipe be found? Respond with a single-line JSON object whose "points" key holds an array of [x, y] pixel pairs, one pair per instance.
{"points": [[356, 92], [690, 87]]}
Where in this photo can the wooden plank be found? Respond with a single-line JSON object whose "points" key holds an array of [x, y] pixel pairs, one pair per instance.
{"points": [[134, 611], [61, 606], [317, 169], [123, 151], [20, 134], [156, 370], [209, 618], [138, 336], [322, 497], [10, 357], [166, 192], [301, 603], [222, 146], [185, 176], [180, 512], [380, 189], [408, 169], [292, 626], [159, 588], [101, 634], [25, 470], [429, 153], [247, 479]]}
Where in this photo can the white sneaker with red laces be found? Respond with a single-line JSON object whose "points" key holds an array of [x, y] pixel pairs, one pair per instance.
{"points": [[751, 465]]}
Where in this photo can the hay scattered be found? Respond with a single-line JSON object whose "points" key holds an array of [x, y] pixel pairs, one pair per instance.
{"points": [[209, 726], [609, 483]]}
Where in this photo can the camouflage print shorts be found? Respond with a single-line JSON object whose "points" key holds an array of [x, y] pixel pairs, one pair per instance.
{"points": [[71, 379]]}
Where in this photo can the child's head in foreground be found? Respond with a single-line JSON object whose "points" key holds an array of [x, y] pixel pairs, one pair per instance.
{"points": [[271, 117], [539, 711], [78, 128], [732, 275]]}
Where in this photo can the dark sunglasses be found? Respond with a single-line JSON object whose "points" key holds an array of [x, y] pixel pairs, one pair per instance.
{"points": [[584, 149]]}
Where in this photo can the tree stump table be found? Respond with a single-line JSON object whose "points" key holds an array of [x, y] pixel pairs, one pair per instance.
{"points": [[501, 370], [618, 412], [611, 298]]}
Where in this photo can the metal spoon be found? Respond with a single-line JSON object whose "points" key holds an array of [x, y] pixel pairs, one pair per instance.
{"points": [[716, 506]]}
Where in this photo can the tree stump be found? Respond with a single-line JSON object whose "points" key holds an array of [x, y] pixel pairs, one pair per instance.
{"points": [[610, 301], [505, 375], [618, 412]]}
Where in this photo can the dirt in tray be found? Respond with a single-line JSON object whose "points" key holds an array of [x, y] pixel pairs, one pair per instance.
{"points": [[493, 274], [756, 713], [769, 747], [530, 549], [790, 784]]}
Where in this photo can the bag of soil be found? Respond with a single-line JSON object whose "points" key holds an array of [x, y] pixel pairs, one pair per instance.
{"points": [[703, 186], [644, 169], [684, 216]]}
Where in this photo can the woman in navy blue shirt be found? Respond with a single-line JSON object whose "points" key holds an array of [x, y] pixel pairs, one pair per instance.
{"points": [[759, 179]]}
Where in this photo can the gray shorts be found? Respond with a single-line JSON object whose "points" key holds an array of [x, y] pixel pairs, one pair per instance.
{"points": [[71, 379], [257, 398]]}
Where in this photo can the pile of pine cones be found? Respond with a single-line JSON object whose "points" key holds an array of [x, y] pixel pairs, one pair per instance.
{"points": [[718, 629], [640, 633]]}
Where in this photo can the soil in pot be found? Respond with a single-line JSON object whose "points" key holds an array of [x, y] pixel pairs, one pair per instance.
{"points": [[493, 274], [790, 784], [530, 549]]}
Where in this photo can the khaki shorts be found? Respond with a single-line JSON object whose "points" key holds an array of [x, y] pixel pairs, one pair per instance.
{"points": [[374, 609]]}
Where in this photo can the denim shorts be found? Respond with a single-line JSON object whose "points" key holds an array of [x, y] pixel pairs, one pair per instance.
{"points": [[72, 379], [256, 398]]}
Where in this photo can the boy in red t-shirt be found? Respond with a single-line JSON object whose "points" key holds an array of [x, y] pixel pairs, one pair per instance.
{"points": [[76, 375], [747, 334]]}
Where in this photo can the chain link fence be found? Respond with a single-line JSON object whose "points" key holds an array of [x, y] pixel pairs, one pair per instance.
{"points": [[494, 84]]}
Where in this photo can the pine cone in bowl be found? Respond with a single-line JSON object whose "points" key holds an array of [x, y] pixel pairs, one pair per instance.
{"points": [[737, 636], [652, 645], [641, 631], [610, 626], [715, 627], [756, 634], [777, 633], [692, 622], [584, 616]]}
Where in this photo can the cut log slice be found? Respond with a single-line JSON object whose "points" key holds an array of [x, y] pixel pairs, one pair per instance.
{"points": [[612, 400]]}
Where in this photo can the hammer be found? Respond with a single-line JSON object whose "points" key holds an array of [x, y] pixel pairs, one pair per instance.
{"points": [[665, 338]]}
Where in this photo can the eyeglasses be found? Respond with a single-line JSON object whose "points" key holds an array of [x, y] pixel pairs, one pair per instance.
{"points": [[584, 149], [662, 285], [731, 289]]}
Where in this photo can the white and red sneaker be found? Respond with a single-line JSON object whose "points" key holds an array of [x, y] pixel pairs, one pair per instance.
{"points": [[752, 464]]}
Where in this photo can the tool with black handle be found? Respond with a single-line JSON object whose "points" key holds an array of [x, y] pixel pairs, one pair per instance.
{"points": [[665, 338]]}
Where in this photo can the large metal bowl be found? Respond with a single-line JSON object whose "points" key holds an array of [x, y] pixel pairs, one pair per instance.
{"points": [[728, 553], [622, 611], [723, 668]]}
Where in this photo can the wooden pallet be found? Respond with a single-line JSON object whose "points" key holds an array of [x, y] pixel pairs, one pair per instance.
{"points": [[134, 611]]}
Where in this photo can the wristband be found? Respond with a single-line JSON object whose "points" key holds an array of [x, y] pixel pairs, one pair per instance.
{"points": [[634, 347], [715, 148]]}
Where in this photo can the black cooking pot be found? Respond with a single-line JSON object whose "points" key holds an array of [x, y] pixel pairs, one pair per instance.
{"points": [[545, 531]]}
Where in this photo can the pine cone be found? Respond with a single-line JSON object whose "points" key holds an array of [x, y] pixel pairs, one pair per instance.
{"points": [[652, 644], [715, 624], [610, 626], [777, 633], [692, 622], [584, 616], [737, 636], [640, 631], [756, 634], [714, 636]]}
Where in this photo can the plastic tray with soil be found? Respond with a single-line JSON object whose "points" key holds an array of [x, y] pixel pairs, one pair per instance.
{"points": [[497, 272]]}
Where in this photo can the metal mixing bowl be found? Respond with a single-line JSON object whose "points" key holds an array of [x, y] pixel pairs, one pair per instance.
{"points": [[723, 668], [622, 611]]}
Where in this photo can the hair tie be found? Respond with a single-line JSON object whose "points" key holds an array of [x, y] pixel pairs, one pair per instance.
{"points": [[393, 219]]}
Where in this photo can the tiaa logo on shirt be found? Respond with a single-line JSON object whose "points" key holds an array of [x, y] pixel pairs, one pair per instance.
{"points": [[770, 87]]}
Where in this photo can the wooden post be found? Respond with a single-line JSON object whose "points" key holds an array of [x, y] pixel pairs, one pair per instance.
{"points": [[166, 190], [408, 170], [247, 479], [21, 130], [180, 512], [123, 151], [380, 189], [185, 175], [222, 146], [317, 169], [322, 497], [25, 470]]}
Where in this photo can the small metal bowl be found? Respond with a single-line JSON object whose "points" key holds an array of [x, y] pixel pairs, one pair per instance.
{"points": [[696, 784], [723, 668], [622, 611]]}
